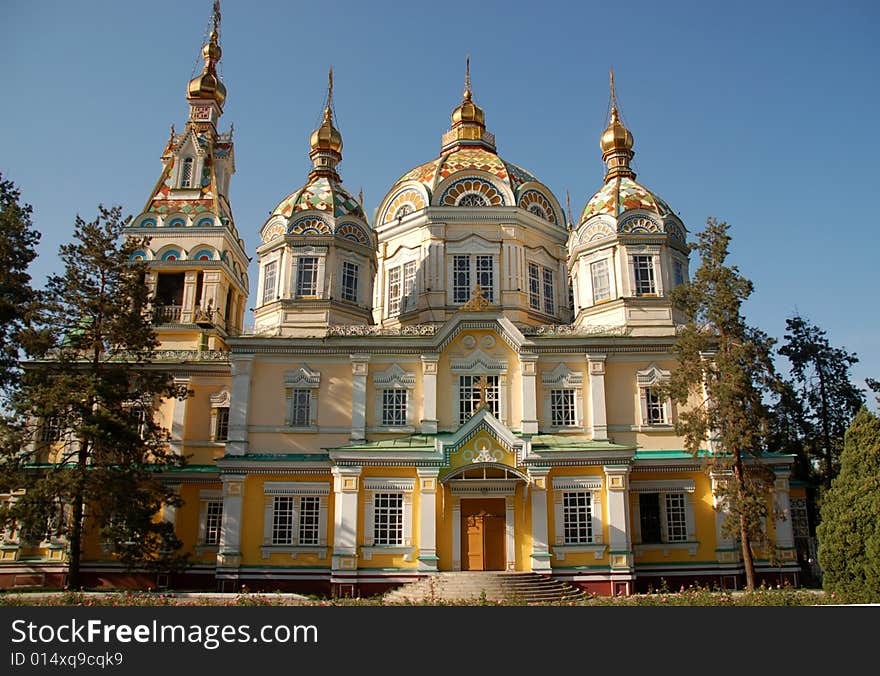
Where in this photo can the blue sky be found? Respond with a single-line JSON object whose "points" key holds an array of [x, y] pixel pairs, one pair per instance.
{"points": [[760, 114]]}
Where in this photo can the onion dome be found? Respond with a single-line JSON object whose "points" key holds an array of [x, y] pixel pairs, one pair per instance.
{"points": [[207, 85]]}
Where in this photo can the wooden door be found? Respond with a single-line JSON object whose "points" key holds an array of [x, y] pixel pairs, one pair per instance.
{"points": [[483, 534]]}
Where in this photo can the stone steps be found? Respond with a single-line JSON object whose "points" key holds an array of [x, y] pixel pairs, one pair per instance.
{"points": [[449, 587]]}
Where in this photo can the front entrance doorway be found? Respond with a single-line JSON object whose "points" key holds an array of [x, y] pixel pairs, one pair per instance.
{"points": [[483, 524]]}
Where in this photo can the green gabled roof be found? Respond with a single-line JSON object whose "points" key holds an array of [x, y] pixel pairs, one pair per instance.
{"points": [[277, 457], [414, 442], [195, 468], [556, 442], [642, 454]]}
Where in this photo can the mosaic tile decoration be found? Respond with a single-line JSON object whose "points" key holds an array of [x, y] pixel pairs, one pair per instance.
{"points": [[620, 195], [320, 194], [537, 203], [470, 186], [309, 225], [410, 199], [352, 232]]}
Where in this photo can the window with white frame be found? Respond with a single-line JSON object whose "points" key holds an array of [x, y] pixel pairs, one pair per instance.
{"points": [[678, 274], [221, 429], [350, 274], [306, 276], [469, 392], [562, 408], [461, 279], [388, 512], [213, 522], [394, 406], [270, 273], [481, 269], [654, 409], [50, 430], [601, 281], [542, 289], [387, 519], [577, 513], [402, 288], [295, 515], [577, 520], [643, 275], [663, 512], [486, 276]]}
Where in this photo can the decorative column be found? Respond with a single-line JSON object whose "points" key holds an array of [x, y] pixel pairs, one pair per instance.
{"points": [[540, 530], [528, 369], [359, 368], [169, 512], [428, 518], [229, 552], [598, 417], [619, 538], [785, 550], [239, 397], [189, 298], [510, 528], [725, 548], [429, 393], [346, 484], [178, 419]]}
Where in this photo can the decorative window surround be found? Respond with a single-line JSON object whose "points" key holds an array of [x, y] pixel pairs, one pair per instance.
{"points": [[651, 254], [401, 282], [474, 248], [309, 252], [578, 484], [647, 379], [270, 278], [302, 379], [478, 363], [296, 490], [395, 378], [563, 378], [372, 486]]}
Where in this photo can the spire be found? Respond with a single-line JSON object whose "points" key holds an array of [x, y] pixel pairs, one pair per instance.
{"points": [[616, 142], [468, 120], [207, 85], [326, 141], [568, 209]]}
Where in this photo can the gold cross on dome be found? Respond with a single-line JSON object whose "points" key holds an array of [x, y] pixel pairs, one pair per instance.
{"points": [[482, 383]]}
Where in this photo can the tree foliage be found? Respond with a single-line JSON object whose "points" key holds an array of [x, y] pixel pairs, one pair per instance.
{"points": [[849, 534], [91, 386], [725, 368], [18, 242], [821, 379]]}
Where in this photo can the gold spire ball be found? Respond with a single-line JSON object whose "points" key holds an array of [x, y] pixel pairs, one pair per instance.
{"points": [[207, 85], [327, 137], [468, 112], [616, 142]]}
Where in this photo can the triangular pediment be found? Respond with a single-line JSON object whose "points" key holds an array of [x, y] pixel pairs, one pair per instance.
{"points": [[482, 439]]}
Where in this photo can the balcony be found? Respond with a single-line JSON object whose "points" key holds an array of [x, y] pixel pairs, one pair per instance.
{"points": [[167, 314]]}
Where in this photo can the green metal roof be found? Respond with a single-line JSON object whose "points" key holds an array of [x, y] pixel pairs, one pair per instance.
{"points": [[415, 442], [557, 442], [277, 457]]}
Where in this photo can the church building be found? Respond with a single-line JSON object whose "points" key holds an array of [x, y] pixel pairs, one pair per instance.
{"points": [[464, 380]]}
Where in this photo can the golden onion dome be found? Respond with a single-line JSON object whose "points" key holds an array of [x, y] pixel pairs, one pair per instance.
{"points": [[326, 137], [616, 136], [207, 84], [468, 112]]}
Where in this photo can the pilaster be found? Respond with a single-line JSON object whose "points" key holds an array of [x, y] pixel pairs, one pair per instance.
{"points": [[598, 416], [346, 485], [785, 550], [540, 529], [178, 419], [429, 393], [619, 537], [239, 398], [528, 371], [428, 518], [229, 554], [359, 369]]}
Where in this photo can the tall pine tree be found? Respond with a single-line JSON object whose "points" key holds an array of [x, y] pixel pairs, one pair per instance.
{"points": [[725, 368], [821, 375], [90, 394]]}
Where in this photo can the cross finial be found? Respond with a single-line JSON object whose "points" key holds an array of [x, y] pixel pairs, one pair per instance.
{"points": [[482, 384], [216, 16], [568, 208], [467, 78]]}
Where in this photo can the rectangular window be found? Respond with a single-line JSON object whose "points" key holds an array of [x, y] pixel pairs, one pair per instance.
{"points": [[213, 521], [269, 281], [350, 273], [307, 276], [50, 430], [309, 514], [222, 431], [678, 272], [388, 519], [300, 403], [577, 517], [676, 520], [643, 269], [649, 517], [486, 277], [469, 396], [186, 173], [654, 408], [562, 412], [409, 285], [549, 292], [394, 291], [534, 287], [283, 517], [394, 407], [461, 279], [601, 282]]}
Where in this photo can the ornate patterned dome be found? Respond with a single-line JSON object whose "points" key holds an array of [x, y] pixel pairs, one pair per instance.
{"points": [[623, 194], [321, 193]]}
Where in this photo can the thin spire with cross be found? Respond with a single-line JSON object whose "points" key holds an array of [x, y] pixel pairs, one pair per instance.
{"points": [[467, 78]]}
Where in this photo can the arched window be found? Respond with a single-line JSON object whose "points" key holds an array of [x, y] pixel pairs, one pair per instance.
{"points": [[403, 211], [186, 173], [472, 199]]}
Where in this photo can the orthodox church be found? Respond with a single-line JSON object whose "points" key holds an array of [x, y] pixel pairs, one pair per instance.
{"points": [[464, 381]]}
